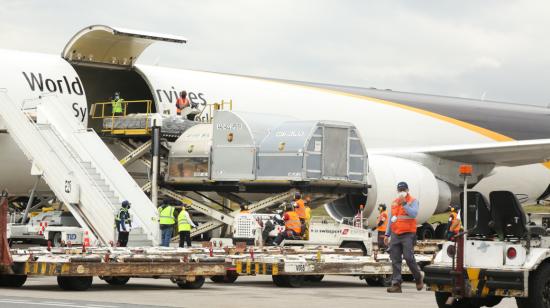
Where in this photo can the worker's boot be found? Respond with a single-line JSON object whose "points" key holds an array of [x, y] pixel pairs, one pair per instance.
{"points": [[395, 288], [420, 282]]}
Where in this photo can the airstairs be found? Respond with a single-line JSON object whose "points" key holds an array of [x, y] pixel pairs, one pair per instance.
{"points": [[79, 168]]}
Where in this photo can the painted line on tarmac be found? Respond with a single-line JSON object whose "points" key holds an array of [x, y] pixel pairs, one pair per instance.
{"points": [[56, 304]]}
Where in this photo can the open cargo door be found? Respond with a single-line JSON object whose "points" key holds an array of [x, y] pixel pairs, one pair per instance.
{"points": [[101, 45]]}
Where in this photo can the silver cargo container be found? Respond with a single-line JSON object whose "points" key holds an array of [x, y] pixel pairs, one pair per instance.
{"points": [[235, 140], [189, 157], [313, 151]]}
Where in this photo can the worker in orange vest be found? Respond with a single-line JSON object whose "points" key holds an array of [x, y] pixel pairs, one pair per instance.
{"points": [[454, 224], [182, 102], [401, 237], [381, 225], [293, 225]]}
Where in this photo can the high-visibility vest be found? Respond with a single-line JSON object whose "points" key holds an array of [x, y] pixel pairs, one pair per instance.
{"points": [[300, 208], [293, 222], [452, 218], [166, 215], [128, 221], [403, 223], [183, 224], [117, 105], [382, 217], [181, 103]]}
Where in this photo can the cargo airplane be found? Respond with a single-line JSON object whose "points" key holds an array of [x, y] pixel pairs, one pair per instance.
{"points": [[421, 139]]}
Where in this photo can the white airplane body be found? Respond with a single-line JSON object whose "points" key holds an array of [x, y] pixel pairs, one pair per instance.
{"points": [[388, 127]]}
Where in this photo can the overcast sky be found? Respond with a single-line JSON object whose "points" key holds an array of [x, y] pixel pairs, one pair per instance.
{"points": [[494, 49]]}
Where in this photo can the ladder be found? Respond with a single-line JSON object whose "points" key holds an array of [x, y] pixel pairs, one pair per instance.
{"points": [[79, 168]]}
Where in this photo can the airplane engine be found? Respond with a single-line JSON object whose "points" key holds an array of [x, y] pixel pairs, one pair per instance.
{"points": [[385, 172]]}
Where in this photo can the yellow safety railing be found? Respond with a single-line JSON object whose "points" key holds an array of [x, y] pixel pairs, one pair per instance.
{"points": [[104, 110], [211, 107]]}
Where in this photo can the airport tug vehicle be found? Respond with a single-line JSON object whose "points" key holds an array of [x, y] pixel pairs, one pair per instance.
{"points": [[500, 254]]}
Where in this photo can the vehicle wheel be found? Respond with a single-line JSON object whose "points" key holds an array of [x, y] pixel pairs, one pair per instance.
{"points": [[539, 290], [426, 231], [295, 281], [354, 245], [12, 281], [280, 281], [441, 299], [75, 283], [218, 278], [407, 277], [489, 301], [56, 239], [116, 280], [440, 231], [192, 285], [314, 278], [380, 281], [523, 302], [229, 277]]}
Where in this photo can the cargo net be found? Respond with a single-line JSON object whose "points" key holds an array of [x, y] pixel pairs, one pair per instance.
{"points": [[172, 126]]}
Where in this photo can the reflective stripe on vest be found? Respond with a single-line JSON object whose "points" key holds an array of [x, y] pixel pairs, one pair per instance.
{"points": [[293, 222], [384, 226], [404, 222], [117, 105], [454, 217], [183, 224], [301, 209], [166, 216]]}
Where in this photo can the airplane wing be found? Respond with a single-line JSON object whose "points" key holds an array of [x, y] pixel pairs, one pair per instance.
{"points": [[509, 153]]}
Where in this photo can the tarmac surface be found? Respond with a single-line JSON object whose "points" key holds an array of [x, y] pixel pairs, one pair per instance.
{"points": [[333, 291]]}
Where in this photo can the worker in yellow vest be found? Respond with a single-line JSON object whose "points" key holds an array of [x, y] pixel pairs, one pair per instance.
{"points": [[184, 227], [307, 203], [117, 104], [167, 220]]}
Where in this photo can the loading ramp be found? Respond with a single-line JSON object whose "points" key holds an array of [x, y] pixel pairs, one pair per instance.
{"points": [[79, 168]]}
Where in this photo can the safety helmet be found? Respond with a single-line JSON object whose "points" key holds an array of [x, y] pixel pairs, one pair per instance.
{"points": [[401, 186], [290, 206], [126, 203]]}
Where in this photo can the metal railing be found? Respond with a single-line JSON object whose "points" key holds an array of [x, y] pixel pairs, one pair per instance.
{"points": [[212, 107], [105, 110]]}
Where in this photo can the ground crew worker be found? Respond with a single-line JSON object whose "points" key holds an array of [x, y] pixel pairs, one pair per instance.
{"points": [[167, 220], [293, 225], [358, 218], [453, 224], [244, 209], [300, 209], [117, 104], [184, 227], [381, 226], [307, 203], [123, 224], [401, 236], [182, 102]]}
